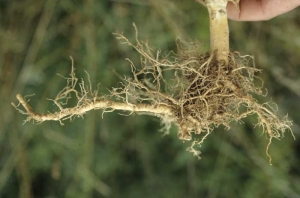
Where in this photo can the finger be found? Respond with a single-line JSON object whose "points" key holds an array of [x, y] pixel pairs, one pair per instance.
{"points": [[256, 10]]}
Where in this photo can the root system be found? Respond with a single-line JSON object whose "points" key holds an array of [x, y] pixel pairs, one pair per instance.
{"points": [[191, 90]]}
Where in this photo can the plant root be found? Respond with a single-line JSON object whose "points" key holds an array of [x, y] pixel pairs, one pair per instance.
{"points": [[194, 91]]}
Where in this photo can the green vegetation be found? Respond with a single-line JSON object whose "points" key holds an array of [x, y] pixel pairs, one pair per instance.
{"points": [[120, 156]]}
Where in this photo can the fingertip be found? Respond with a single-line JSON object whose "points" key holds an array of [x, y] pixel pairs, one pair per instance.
{"points": [[233, 11]]}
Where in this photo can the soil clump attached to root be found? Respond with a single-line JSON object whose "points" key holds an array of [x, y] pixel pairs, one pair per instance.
{"points": [[214, 92]]}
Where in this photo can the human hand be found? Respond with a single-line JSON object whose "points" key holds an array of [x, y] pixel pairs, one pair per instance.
{"points": [[260, 10]]}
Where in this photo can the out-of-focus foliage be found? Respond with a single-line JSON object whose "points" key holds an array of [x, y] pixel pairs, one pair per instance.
{"points": [[126, 156]]}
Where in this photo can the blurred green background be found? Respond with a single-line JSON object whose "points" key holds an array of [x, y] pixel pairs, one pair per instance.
{"points": [[126, 156]]}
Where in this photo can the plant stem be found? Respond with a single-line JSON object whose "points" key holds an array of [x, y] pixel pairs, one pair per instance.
{"points": [[219, 32]]}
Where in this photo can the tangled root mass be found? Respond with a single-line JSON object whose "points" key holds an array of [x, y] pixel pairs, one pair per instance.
{"points": [[202, 92]]}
